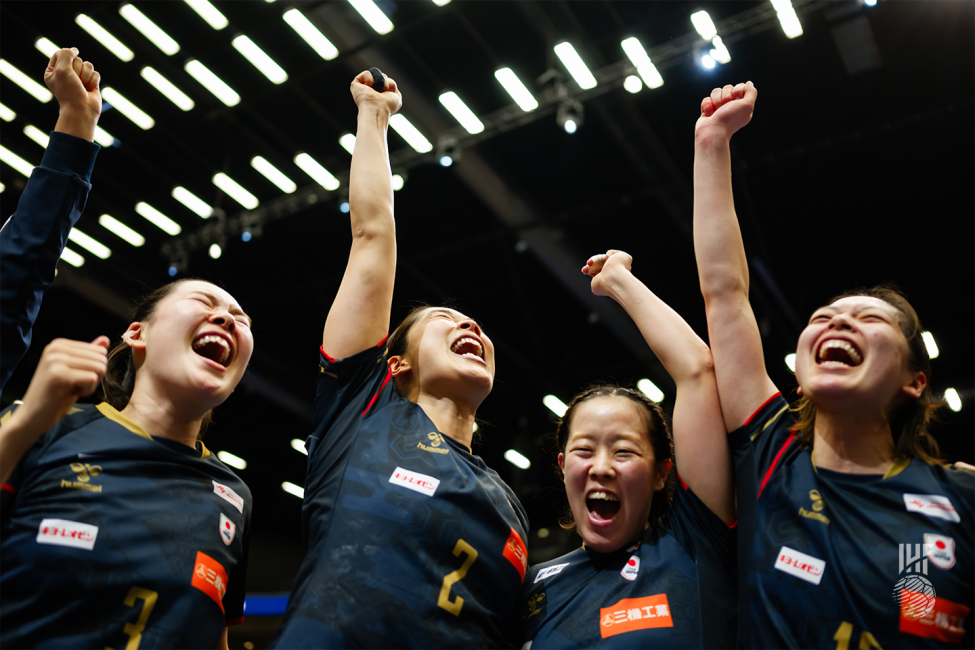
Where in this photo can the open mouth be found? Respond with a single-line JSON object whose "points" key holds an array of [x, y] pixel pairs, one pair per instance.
{"points": [[837, 353], [602, 505], [213, 347], [468, 347]]}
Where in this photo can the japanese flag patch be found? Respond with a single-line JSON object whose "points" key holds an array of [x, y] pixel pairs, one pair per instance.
{"points": [[940, 549], [632, 568], [227, 529]]}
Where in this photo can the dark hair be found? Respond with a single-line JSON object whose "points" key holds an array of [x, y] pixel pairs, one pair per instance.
{"points": [[119, 380], [658, 432], [909, 423], [399, 341]]}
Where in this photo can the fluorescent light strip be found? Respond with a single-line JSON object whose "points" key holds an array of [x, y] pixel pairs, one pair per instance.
{"points": [[787, 18], [90, 244], [299, 446], [555, 405], [441, 3], [149, 29], [517, 459], [193, 202], [650, 389], [2, 188], [15, 161], [37, 135], [310, 33], [348, 142], [34, 89], [233, 460], [953, 399], [573, 63], [212, 82], [320, 175], [410, 133], [103, 36], [273, 174], [461, 112], [259, 59], [46, 47], [641, 60], [929, 343], [372, 15], [720, 53], [127, 108], [512, 84], [158, 219], [208, 13], [71, 257], [235, 191], [103, 137], [790, 361], [291, 488], [110, 223], [165, 86], [704, 25], [6, 114]]}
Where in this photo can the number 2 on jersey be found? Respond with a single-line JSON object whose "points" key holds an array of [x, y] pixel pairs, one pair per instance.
{"points": [[444, 602], [149, 599], [845, 631]]}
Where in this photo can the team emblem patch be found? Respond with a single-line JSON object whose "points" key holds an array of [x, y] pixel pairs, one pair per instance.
{"points": [[227, 529], [229, 496], [210, 577], [940, 549], [632, 568], [932, 505], [516, 553]]}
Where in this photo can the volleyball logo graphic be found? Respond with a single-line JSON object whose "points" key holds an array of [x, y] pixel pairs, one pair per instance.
{"points": [[915, 596]]}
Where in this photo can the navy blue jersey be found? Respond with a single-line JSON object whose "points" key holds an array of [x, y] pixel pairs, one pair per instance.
{"points": [[114, 539], [412, 541], [835, 560], [673, 589], [32, 240]]}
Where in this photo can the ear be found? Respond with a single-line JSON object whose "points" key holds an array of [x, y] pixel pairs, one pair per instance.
{"points": [[562, 462], [663, 470], [399, 365], [917, 385], [799, 391], [134, 336]]}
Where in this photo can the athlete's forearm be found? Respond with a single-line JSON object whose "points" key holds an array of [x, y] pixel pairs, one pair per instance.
{"points": [[16, 437], [370, 181]]}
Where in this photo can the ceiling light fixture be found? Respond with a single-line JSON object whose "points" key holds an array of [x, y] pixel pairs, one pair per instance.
{"points": [[311, 34], [166, 87], [235, 190], [573, 63], [127, 108], [103, 36], [193, 202], [115, 226], [259, 59], [512, 84], [158, 219], [318, 173], [149, 29]]}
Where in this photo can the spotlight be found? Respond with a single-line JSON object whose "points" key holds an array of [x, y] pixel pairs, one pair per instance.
{"points": [[172, 271], [569, 116], [344, 207], [632, 84], [246, 235], [707, 61], [448, 152], [446, 161]]}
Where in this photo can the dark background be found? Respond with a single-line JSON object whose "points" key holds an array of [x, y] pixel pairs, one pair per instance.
{"points": [[857, 168]]}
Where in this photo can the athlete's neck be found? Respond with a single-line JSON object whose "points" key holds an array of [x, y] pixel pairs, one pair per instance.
{"points": [[451, 419], [162, 417], [851, 444]]}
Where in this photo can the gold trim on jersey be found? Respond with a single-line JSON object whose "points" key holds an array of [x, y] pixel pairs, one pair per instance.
{"points": [[114, 415], [899, 465], [770, 422]]}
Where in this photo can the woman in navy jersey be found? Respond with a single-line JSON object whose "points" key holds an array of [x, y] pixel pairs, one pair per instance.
{"points": [[118, 528], [412, 540], [656, 568], [852, 532]]}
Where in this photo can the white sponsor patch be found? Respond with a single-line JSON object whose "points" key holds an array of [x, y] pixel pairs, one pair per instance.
{"points": [[229, 496], [800, 565], [632, 568], [227, 529], [940, 549], [932, 505], [549, 571], [415, 481], [62, 532]]}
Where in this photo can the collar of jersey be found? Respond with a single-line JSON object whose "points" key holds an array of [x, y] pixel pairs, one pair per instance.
{"points": [[899, 465], [114, 415]]}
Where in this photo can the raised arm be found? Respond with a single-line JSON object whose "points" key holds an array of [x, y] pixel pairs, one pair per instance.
{"points": [[699, 431], [359, 317], [736, 344], [32, 240]]}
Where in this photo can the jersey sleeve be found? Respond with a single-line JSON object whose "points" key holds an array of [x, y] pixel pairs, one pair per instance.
{"points": [[33, 238], [10, 487], [353, 383], [758, 447], [697, 528]]}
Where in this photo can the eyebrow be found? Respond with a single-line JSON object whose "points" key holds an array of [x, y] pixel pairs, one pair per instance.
{"points": [[453, 315], [231, 308]]}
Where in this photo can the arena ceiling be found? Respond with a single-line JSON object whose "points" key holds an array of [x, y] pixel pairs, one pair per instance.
{"points": [[856, 169]]}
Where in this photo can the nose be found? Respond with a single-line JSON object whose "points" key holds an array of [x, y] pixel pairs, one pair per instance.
{"points": [[602, 466], [470, 325], [841, 321], [224, 319]]}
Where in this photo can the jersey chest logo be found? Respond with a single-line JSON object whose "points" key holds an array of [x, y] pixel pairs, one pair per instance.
{"points": [[62, 532], [816, 508], [415, 481], [632, 568], [805, 567], [632, 614], [436, 445], [940, 549], [84, 473], [227, 529], [932, 505], [210, 577], [229, 496]]}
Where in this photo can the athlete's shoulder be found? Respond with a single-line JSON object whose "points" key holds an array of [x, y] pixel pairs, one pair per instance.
{"points": [[959, 480]]}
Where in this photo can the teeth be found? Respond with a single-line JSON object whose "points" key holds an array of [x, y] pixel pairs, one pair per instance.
{"points": [[605, 496], [457, 345], [212, 338], [843, 345]]}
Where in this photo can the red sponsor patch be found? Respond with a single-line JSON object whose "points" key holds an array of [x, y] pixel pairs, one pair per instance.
{"points": [[945, 621], [632, 614], [210, 577], [517, 554]]}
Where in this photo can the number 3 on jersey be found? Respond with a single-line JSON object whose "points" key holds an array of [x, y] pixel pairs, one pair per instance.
{"points": [[444, 602], [845, 631], [149, 599]]}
